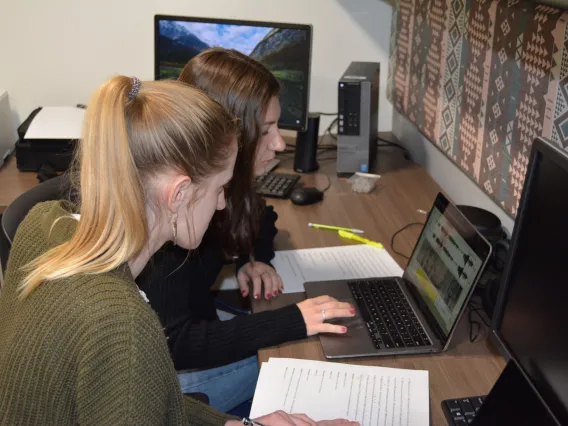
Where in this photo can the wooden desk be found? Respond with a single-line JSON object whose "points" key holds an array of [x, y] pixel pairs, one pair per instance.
{"points": [[13, 182], [466, 369]]}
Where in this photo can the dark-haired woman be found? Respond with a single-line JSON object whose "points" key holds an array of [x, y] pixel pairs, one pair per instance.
{"points": [[212, 356]]}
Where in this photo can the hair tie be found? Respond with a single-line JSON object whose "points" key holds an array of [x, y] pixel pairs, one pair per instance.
{"points": [[135, 88]]}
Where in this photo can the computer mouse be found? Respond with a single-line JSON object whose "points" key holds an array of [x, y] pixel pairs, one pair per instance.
{"points": [[306, 196]]}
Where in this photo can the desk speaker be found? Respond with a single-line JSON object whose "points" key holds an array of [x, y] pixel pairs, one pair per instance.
{"points": [[306, 146]]}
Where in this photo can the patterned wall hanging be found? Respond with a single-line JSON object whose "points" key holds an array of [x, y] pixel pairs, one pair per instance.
{"points": [[481, 79]]}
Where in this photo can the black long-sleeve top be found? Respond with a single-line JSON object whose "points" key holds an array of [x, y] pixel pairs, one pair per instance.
{"points": [[178, 284]]}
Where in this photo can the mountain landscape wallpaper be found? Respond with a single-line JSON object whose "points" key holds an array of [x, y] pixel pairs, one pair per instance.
{"points": [[285, 52]]}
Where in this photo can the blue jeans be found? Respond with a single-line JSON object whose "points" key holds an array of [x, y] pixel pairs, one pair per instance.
{"points": [[227, 386]]}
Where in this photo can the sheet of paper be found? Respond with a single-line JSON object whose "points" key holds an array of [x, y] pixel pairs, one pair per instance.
{"points": [[56, 123], [332, 263], [296, 267], [373, 396]]}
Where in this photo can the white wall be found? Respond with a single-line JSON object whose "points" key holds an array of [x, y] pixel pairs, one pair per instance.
{"points": [[55, 52], [452, 179]]}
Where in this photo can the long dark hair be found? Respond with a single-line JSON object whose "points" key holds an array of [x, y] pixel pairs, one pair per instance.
{"points": [[244, 87]]}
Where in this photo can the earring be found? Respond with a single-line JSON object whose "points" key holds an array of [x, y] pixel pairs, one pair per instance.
{"points": [[175, 227]]}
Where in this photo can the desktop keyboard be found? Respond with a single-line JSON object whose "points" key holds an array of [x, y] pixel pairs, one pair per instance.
{"points": [[462, 411], [277, 185], [390, 319]]}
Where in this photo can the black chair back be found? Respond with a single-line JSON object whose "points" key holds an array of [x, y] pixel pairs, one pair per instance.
{"points": [[52, 189]]}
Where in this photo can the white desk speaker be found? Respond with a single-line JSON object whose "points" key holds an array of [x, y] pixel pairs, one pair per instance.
{"points": [[8, 133]]}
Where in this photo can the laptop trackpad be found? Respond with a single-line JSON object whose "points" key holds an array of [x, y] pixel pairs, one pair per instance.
{"points": [[350, 322]]}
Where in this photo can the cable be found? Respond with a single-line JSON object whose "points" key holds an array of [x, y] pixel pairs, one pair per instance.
{"points": [[328, 183], [328, 130], [476, 310], [475, 326], [405, 227], [384, 142]]}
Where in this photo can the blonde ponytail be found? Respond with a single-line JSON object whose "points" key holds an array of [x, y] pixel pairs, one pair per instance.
{"points": [[167, 126]]}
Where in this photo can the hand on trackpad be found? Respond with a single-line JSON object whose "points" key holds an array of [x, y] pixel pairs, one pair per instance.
{"points": [[325, 314]]}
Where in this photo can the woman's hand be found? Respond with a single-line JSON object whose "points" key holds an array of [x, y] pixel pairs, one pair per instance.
{"points": [[259, 273], [315, 311], [280, 418]]}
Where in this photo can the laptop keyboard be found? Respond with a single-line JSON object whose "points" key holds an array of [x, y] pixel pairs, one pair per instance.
{"points": [[388, 315], [461, 412]]}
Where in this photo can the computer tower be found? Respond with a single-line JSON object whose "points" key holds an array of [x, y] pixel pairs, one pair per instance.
{"points": [[358, 106]]}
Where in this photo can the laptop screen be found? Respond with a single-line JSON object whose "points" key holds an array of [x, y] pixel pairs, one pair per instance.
{"points": [[446, 263]]}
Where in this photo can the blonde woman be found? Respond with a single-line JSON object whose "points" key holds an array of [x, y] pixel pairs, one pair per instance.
{"points": [[78, 342]]}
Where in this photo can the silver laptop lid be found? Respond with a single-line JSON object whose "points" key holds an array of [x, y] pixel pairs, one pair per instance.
{"points": [[445, 266]]}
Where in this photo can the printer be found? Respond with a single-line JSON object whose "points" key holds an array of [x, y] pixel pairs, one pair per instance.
{"points": [[49, 137]]}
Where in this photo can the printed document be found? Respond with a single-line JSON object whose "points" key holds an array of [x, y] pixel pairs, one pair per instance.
{"points": [[325, 391], [296, 267]]}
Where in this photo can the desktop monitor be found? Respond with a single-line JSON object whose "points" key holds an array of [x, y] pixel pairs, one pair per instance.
{"points": [[285, 49], [531, 321]]}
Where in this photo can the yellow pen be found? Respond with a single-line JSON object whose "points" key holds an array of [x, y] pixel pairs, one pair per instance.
{"points": [[334, 228], [352, 236]]}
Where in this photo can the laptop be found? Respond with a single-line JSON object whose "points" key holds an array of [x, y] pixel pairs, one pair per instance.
{"points": [[418, 312]]}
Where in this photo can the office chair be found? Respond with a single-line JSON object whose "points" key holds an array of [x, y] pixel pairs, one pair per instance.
{"points": [[52, 189]]}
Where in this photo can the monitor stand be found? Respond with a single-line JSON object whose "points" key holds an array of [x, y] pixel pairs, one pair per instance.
{"points": [[512, 401]]}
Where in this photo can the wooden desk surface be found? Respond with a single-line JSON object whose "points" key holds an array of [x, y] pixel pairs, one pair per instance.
{"points": [[466, 369], [13, 182]]}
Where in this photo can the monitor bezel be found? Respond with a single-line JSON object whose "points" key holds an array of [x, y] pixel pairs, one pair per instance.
{"points": [[540, 147], [302, 127]]}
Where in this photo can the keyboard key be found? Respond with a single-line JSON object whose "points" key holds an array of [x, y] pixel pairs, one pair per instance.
{"points": [[462, 411], [453, 405], [388, 342], [467, 407], [387, 313], [476, 402]]}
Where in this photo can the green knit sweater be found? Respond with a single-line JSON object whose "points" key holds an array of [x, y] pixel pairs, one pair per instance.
{"points": [[85, 350]]}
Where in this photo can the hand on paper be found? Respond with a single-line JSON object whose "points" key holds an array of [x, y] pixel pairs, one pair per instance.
{"points": [[280, 418], [259, 273], [312, 312]]}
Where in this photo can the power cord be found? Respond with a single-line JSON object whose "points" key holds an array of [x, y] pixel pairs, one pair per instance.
{"points": [[404, 228], [328, 131], [328, 183], [474, 325], [384, 142]]}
